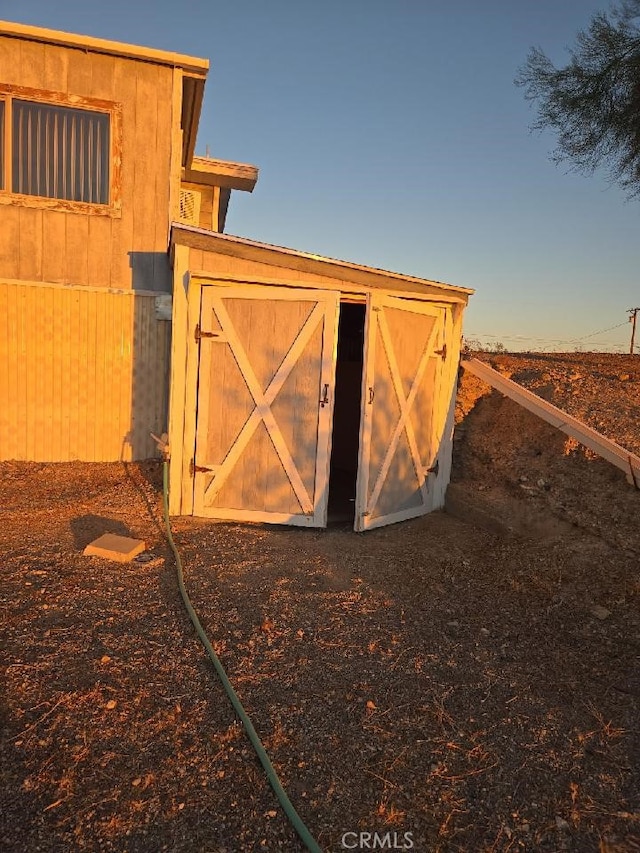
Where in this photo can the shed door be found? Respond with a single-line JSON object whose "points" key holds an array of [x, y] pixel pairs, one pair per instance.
{"points": [[265, 404], [400, 424]]}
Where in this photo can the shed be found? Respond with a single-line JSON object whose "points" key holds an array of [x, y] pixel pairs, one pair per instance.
{"points": [[304, 388]]}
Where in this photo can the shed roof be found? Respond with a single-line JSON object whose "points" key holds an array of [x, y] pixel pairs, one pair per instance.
{"points": [[280, 256]]}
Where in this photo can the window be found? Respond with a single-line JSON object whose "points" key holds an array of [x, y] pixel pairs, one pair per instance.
{"points": [[58, 151]]}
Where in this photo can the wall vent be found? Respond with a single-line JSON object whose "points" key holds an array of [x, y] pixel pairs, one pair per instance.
{"points": [[190, 207]]}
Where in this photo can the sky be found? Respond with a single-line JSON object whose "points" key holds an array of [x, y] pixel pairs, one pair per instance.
{"points": [[390, 133]]}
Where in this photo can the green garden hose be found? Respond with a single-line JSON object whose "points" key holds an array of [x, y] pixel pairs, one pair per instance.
{"points": [[295, 819]]}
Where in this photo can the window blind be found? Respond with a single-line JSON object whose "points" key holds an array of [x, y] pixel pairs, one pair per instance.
{"points": [[60, 152]]}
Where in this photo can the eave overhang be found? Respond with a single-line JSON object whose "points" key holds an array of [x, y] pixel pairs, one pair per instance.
{"points": [[222, 173]]}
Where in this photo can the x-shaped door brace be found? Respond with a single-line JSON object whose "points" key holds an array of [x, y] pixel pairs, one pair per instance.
{"points": [[264, 401], [405, 404]]}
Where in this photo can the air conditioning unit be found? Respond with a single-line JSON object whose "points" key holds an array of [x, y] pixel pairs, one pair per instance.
{"points": [[190, 207]]}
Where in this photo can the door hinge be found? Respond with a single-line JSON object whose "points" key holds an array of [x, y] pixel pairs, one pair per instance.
{"points": [[442, 352], [200, 334], [197, 469]]}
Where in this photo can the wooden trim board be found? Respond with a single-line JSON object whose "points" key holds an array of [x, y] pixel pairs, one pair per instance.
{"points": [[222, 173], [349, 292], [600, 444], [178, 374]]}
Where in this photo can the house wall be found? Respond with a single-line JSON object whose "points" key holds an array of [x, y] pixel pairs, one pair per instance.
{"points": [[83, 373], [83, 360], [124, 251]]}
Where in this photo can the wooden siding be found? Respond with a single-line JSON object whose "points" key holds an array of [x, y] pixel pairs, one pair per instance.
{"points": [[83, 373], [242, 269], [67, 247]]}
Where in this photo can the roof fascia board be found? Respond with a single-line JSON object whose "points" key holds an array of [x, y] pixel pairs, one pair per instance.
{"points": [[191, 64], [222, 173]]}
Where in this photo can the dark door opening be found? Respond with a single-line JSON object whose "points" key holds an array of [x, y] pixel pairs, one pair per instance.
{"points": [[346, 413]]}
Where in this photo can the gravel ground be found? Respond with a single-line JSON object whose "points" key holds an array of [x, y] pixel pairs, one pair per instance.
{"points": [[470, 678]]}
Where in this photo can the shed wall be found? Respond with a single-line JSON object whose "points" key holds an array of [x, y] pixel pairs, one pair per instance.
{"points": [[244, 269], [83, 373], [128, 251]]}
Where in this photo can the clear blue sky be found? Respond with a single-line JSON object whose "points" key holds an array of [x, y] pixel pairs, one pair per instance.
{"points": [[389, 132]]}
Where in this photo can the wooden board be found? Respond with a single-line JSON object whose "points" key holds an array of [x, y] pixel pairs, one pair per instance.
{"points": [[265, 404], [403, 399], [177, 381], [600, 444]]}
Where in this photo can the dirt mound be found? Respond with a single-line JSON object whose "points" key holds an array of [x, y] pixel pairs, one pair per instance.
{"points": [[523, 467]]}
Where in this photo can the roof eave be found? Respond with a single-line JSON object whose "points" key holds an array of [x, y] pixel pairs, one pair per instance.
{"points": [[222, 173]]}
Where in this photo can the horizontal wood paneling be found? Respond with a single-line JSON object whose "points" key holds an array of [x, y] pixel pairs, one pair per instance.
{"points": [[83, 373]]}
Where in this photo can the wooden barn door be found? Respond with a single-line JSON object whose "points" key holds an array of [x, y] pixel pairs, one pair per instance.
{"points": [[403, 410], [265, 404]]}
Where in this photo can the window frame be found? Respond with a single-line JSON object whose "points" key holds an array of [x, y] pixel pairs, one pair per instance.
{"points": [[113, 207]]}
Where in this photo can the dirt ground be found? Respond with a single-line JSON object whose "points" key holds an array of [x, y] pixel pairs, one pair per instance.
{"points": [[470, 677]]}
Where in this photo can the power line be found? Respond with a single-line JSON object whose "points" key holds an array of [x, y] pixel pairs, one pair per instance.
{"points": [[599, 332], [517, 337], [469, 335]]}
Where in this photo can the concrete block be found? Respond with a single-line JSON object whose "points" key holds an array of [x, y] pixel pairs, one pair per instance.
{"points": [[112, 547]]}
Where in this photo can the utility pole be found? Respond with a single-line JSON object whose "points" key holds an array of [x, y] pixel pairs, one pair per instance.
{"points": [[633, 313]]}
